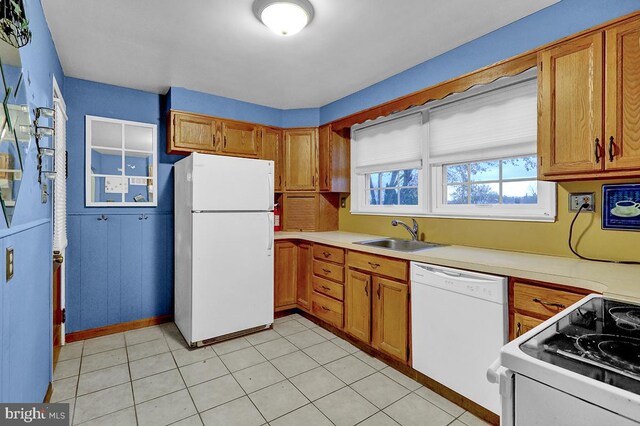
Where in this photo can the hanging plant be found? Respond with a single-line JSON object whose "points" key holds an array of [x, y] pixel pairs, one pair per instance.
{"points": [[14, 25]]}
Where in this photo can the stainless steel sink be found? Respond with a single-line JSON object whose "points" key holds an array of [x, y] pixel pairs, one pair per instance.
{"points": [[398, 244]]}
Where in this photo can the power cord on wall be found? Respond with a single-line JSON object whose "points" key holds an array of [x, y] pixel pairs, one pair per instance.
{"points": [[584, 206]]}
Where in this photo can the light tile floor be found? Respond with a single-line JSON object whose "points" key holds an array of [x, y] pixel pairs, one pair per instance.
{"points": [[295, 374]]}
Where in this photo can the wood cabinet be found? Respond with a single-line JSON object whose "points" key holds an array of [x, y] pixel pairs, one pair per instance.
{"points": [[191, 132], [376, 307], [272, 149], [358, 305], [300, 153], [285, 275], [241, 139], [531, 302], [305, 274], [310, 211], [333, 160], [328, 284], [589, 98], [390, 325]]}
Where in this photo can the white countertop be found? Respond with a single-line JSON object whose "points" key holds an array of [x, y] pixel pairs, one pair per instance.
{"points": [[613, 280]]}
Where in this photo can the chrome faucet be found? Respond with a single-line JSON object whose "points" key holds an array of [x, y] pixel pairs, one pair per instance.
{"points": [[413, 232]]}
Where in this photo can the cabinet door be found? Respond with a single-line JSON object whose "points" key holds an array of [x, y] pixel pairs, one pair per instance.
{"points": [[305, 273], [272, 150], [242, 139], [390, 328], [522, 324], [300, 160], [622, 97], [286, 266], [357, 303], [324, 158], [193, 132], [570, 107]]}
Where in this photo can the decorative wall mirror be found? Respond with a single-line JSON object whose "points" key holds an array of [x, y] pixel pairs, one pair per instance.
{"points": [[121, 163], [15, 125]]}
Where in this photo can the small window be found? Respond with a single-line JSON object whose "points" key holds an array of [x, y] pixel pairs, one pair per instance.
{"points": [[393, 188], [505, 181]]}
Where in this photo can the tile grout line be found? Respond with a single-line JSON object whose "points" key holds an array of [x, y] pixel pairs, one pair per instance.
{"points": [[187, 389], [133, 394]]}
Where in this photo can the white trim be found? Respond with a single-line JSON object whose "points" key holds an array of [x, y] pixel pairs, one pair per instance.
{"points": [[88, 174]]}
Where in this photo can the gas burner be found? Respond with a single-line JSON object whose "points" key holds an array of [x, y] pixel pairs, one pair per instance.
{"points": [[619, 352], [626, 317]]}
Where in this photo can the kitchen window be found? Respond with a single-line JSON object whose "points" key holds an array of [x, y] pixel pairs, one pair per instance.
{"points": [[470, 155]]}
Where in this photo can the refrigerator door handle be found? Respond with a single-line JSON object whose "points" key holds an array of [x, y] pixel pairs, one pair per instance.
{"points": [[270, 191], [271, 236]]}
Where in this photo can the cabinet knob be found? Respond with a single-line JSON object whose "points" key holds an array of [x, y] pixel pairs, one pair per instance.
{"points": [[374, 265], [326, 254]]}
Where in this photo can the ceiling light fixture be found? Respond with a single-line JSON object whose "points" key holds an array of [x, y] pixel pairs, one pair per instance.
{"points": [[286, 17]]}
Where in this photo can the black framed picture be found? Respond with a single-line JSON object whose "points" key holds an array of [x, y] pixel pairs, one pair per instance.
{"points": [[621, 207]]}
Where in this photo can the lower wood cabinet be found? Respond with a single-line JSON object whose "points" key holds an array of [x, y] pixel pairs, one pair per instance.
{"points": [[305, 274], [390, 325], [532, 302], [377, 308], [285, 274]]}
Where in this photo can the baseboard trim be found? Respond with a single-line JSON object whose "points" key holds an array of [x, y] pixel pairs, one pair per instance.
{"points": [[116, 328], [408, 371], [47, 396]]}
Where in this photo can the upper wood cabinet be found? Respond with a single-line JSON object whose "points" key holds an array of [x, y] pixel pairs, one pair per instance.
{"points": [[272, 149], [241, 139], [589, 101], [333, 160], [300, 154], [191, 132], [622, 94]]}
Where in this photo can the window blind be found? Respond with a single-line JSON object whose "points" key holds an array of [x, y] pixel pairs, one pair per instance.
{"points": [[60, 189], [498, 123], [392, 144]]}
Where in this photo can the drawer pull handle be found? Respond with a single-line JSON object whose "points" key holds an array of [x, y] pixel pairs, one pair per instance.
{"points": [[374, 265], [611, 146], [326, 254], [596, 150], [551, 304], [326, 288], [366, 288], [324, 308], [326, 271], [518, 329], [378, 292]]}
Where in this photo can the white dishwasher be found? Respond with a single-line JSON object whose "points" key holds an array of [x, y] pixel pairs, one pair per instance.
{"points": [[459, 322]]}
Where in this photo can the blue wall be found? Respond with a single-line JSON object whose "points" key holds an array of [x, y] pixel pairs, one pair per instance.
{"points": [[25, 323], [557, 21]]}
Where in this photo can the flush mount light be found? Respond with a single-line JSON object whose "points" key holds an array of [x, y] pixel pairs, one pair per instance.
{"points": [[286, 17]]}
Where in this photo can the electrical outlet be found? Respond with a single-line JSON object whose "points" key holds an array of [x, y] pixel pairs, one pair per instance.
{"points": [[9, 263], [577, 199]]}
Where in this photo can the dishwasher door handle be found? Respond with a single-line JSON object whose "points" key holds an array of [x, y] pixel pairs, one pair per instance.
{"points": [[457, 275]]}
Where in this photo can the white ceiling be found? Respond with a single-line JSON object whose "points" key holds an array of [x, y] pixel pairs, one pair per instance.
{"points": [[218, 46]]}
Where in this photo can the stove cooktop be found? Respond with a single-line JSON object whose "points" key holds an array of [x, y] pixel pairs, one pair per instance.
{"points": [[600, 339]]}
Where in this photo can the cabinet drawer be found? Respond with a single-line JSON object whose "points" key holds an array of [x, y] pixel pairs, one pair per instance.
{"points": [[542, 301], [328, 271], [378, 265], [522, 324], [328, 288], [327, 309], [328, 253]]}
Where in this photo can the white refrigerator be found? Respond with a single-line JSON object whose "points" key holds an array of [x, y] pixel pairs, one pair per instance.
{"points": [[223, 247]]}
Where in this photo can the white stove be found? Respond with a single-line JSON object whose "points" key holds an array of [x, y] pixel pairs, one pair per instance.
{"points": [[581, 367]]}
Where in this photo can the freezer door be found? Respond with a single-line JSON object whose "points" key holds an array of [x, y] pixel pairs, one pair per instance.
{"points": [[232, 273], [231, 184]]}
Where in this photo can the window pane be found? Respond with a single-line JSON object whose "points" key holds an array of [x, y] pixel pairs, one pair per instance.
{"points": [[374, 180], [389, 179], [520, 168], [409, 196], [390, 197], [374, 197], [409, 177], [457, 194], [486, 193], [486, 170], [520, 192], [457, 173]]}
